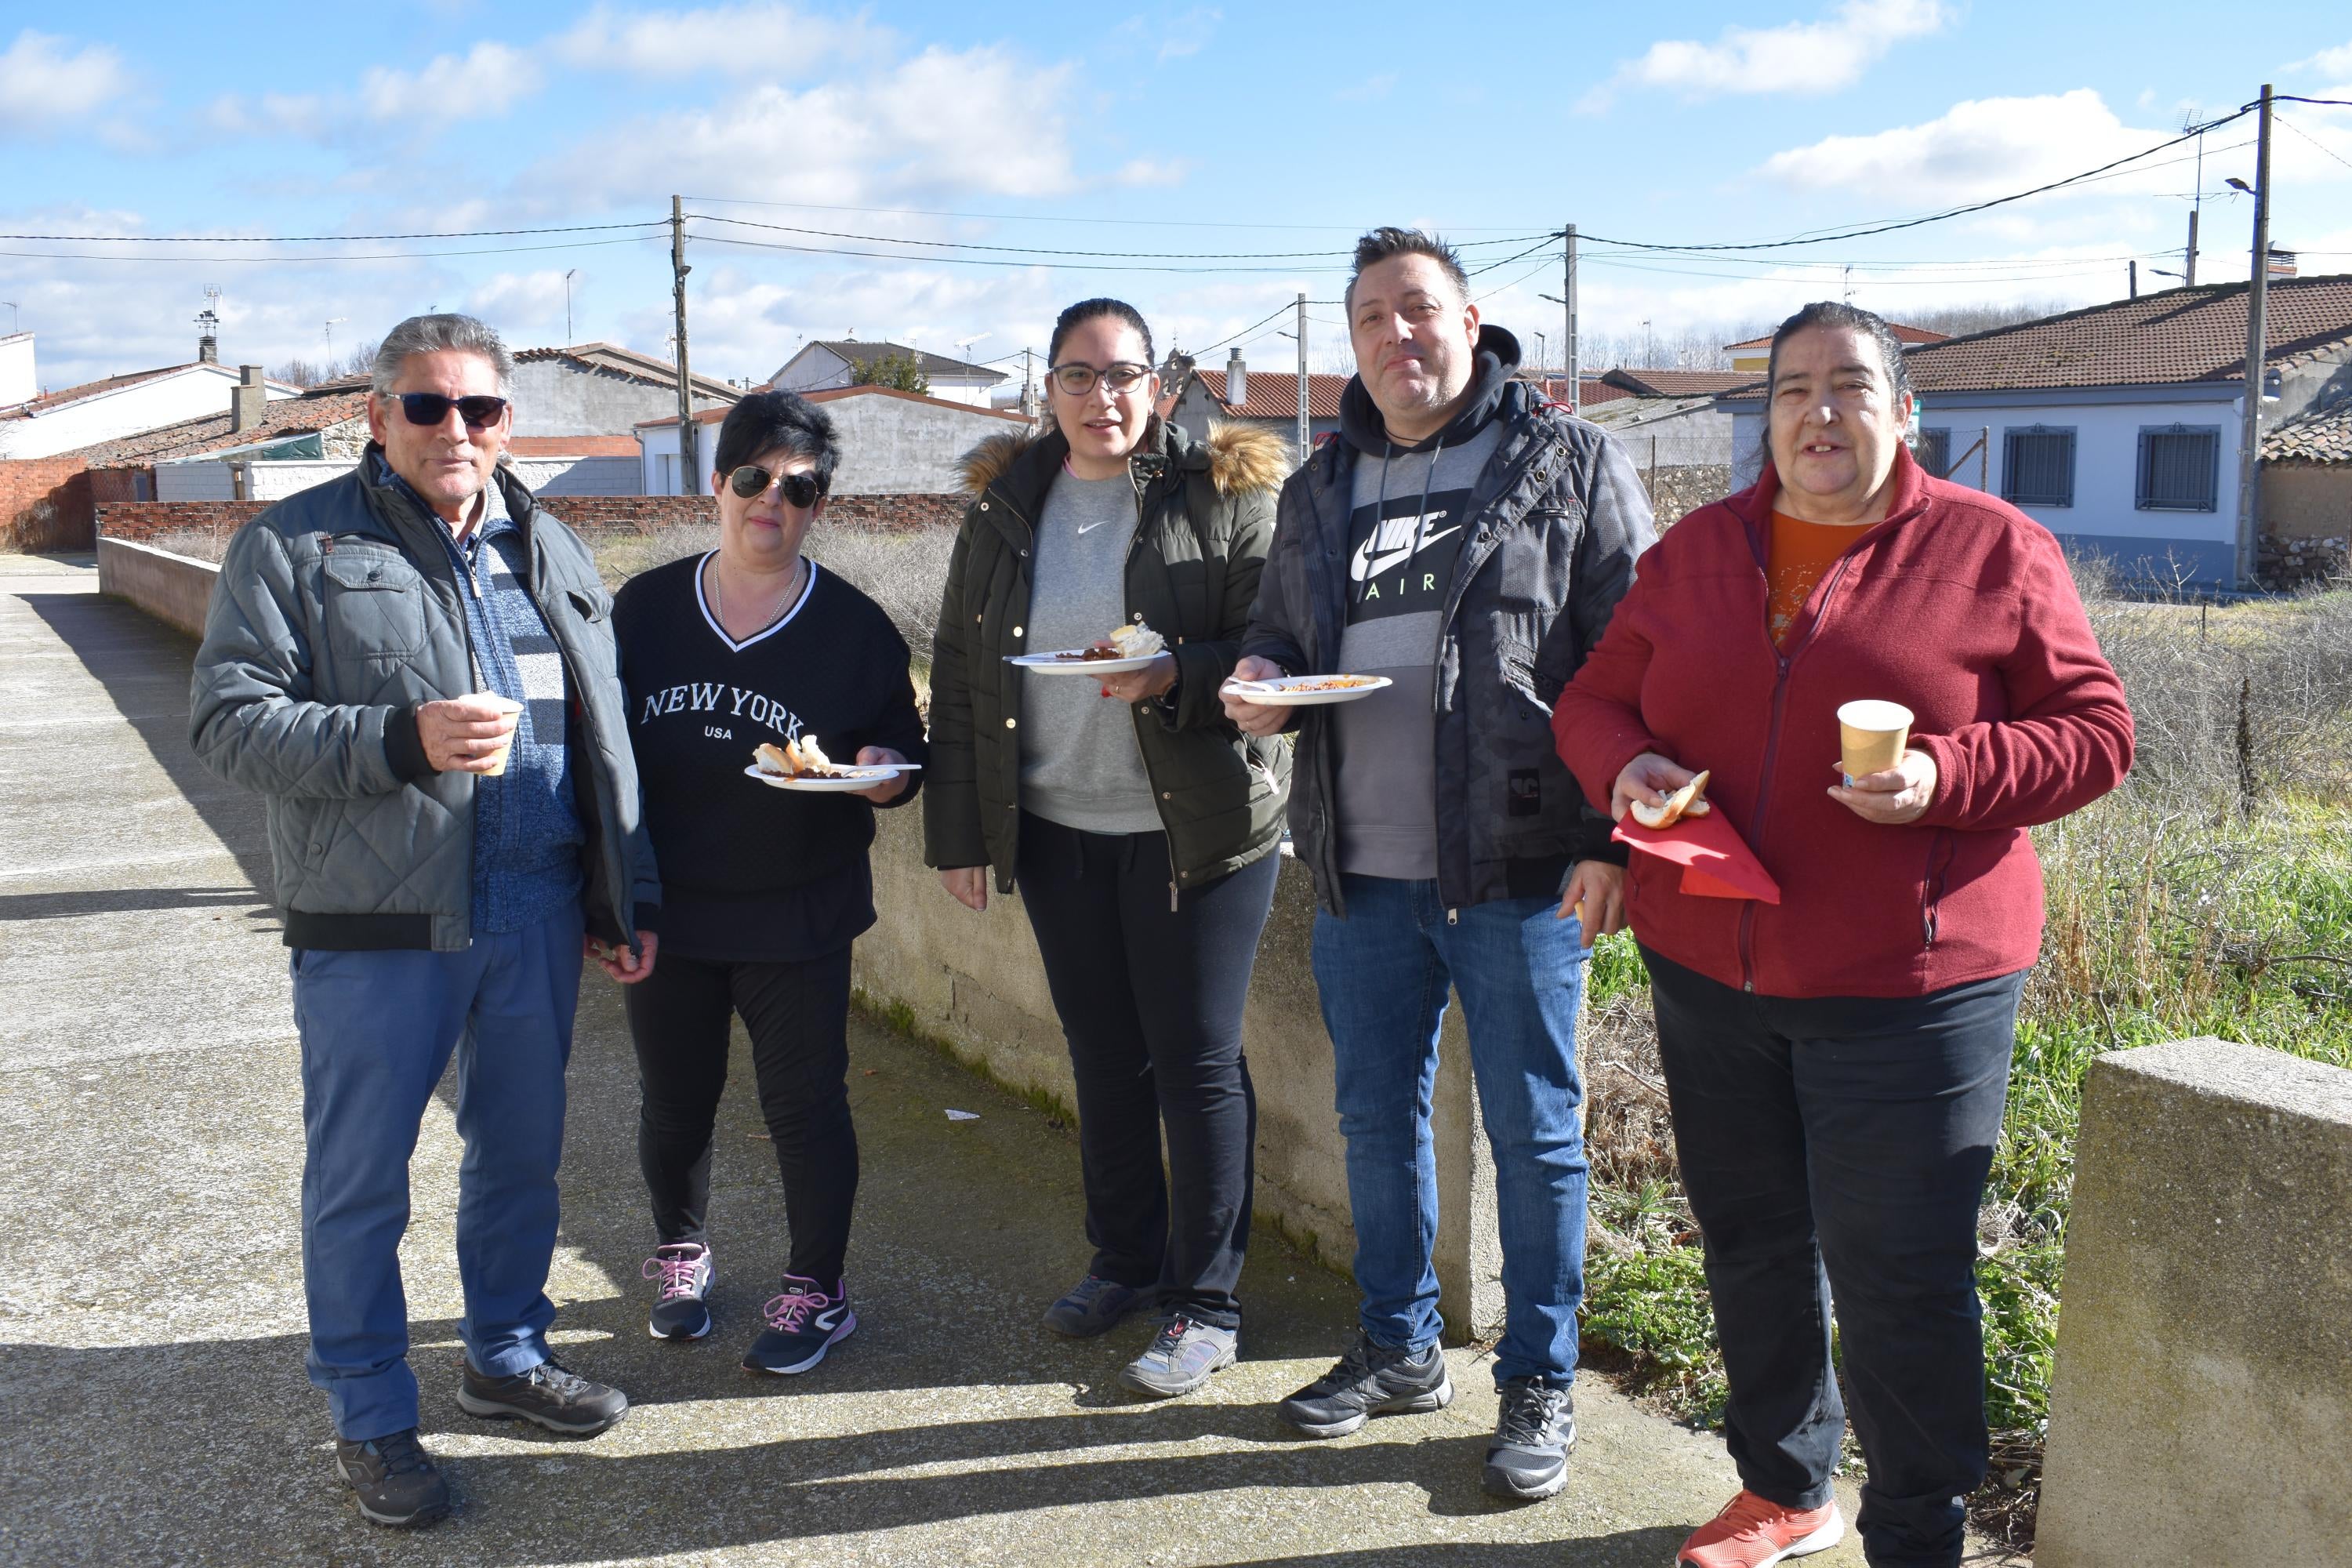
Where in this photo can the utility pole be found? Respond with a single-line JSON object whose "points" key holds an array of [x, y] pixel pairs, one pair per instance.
{"points": [[689, 480], [2196, 204], [2257, 340], [1568, 309], [1304, 445], [567, 304], [2134, 264]]}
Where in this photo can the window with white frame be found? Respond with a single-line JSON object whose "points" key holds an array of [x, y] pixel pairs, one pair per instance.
{"points": [[2179, 467], [2037, 467]]}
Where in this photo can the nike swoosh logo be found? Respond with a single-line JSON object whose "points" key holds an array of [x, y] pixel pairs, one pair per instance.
{"points": [[1371, 565], [1086, 528]]}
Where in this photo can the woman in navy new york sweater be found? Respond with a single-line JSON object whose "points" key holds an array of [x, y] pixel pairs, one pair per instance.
{"points": [[765, 890]]}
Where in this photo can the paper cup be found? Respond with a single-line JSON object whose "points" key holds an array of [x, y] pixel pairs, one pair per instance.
{"points": [[506, 705], [1872, 735]]}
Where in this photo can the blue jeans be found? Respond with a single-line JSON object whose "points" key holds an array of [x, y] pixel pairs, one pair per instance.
{"points": [[378, 1029], [1382, 973]]}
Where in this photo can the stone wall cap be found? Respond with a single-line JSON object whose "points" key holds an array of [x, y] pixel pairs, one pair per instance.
{"points": [[2252, 1075]]}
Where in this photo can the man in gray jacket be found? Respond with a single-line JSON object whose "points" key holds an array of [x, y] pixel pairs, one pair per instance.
{"points": [[1467, 541], [415, 667]]}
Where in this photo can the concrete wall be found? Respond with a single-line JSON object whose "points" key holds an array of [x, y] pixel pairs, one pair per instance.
{"points": [[2201, 1410], [894, 445], [579, 476], [563, 397], [975, 981], [172, 588]]}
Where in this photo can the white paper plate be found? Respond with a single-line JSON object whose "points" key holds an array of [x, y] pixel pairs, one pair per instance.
{"points": [[860, 776], [1081, 665], [1295, 691]]}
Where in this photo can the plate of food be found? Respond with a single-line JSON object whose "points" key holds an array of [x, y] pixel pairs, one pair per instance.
{"points": [[1306, 690], [1130, 648], [803, 765]]}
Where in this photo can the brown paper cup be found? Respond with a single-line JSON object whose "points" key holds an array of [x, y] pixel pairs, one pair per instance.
{"points": [[1872, 735], [506, 705]]}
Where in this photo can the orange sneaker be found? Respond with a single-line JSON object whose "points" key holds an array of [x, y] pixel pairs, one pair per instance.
{"points": [[1756, 1532]]}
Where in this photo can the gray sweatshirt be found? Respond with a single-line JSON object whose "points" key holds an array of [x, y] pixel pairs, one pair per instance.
{"points": [[1080, 765]]}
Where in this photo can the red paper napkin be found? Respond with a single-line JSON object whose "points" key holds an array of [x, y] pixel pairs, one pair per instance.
{"points": [[1716, 862]]}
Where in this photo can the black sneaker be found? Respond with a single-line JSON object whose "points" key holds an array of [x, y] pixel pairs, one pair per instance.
{"points": [[1093, 1306], [682, 1300], [803, 1324], [1370, 1380], [1534, 1432], [549, 1396], [395, 1477]]}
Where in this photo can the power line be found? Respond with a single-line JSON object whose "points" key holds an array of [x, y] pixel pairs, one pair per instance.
{"points": [[1041, 217], [314, 260], [309, 238], [1006, 261], [1044, 250], [2314, 141], [1285, 306]]}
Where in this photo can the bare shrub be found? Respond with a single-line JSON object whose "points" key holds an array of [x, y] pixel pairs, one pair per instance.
{"points": [[196, 544], [904, 569]]}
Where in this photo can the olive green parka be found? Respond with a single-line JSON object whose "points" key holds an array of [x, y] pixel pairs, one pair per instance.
{"points": [[1205, 519]]}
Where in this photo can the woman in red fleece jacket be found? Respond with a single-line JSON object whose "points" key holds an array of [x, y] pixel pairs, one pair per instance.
{"points": [[1838, 1062]]}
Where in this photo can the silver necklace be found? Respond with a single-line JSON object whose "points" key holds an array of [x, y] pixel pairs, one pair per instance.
{"points": [[718, 601]]}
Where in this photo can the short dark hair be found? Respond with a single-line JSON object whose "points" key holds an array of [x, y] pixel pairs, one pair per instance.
{"points": [[1085, 310], [767, 420], [1388, 242], [1836, 313]]}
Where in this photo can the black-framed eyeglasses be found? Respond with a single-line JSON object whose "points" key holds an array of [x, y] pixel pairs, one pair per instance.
{"points": [[1078, 379], [430, 408], [752, 481]]}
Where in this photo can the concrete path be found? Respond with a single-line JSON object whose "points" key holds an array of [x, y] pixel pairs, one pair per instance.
{"points": [[151, 1307]]}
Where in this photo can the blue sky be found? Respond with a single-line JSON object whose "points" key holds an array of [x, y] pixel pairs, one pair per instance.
{"points": [[1178, 131]]}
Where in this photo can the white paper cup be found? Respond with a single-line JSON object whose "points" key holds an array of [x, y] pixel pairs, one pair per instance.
{"points": [[513, 709], [1872, 735]]}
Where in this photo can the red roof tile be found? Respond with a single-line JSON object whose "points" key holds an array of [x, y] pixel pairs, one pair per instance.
{"points": [[1902, 333], [192, 437], [2322, 437], [1274, 394], [1678, 383], [574, 445]]}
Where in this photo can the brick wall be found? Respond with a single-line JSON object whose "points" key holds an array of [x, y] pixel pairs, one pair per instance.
{"points": [[45, 504], [589, 514]]}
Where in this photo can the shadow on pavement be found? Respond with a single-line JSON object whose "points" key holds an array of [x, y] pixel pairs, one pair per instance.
{"points": [[117, 900]]}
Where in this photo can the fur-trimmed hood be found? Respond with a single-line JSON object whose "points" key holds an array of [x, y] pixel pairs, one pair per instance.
{"points": [[1241, 459]]}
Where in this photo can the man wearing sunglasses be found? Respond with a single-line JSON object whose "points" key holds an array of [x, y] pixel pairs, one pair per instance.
{"points": [[415, 667]]}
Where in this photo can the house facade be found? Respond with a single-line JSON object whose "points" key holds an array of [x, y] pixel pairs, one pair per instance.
{"points": [[892, 442], [832, 364], [2118, 426], [49, 424], [602, 390]]}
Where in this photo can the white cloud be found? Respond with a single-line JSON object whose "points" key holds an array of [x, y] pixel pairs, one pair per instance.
{"points": [[477, 85], [1794, 58], [2335, 64], [45, 81], [961, 123], [769, 40], [1979, 148], [1188, 33], [1153, 172]]}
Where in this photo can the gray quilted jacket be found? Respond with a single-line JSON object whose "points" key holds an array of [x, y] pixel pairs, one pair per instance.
{"points": [[1555, 522], [336, 613]]}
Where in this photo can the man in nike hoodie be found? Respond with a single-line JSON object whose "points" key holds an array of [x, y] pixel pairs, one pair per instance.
{"points": [[1468, 541]]}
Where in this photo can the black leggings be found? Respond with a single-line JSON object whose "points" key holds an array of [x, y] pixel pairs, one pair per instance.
{"points": [[798, 1017], [1151, 999]]}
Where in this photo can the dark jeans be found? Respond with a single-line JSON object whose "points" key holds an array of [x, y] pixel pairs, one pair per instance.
{"points": [[1837, 1147], [798, 1018], [1152, 998]]}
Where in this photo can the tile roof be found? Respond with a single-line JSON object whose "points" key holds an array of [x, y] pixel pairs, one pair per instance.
{"points": [[1274, 394], [49, 400], [631, 363], [2178, 337], [865, 354], [1902, 333], [574, 445], [192, 437], [2323, 437], [1678, 383]]}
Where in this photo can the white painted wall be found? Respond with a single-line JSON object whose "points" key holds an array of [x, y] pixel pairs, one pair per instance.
{"points": [[816, 369], [190, 393], [889, 446], [658, 458], [599, 476], [19, 382]]}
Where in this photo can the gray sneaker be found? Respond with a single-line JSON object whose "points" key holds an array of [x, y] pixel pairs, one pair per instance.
{"points": [[394, 1479], [1370, 1379], [548, 1395], [1534, 1432], [1183, 1356], [1093, 1306]]}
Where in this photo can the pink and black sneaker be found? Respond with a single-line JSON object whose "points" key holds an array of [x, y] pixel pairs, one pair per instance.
{"points": [[803, 1324], [682, 1299]]}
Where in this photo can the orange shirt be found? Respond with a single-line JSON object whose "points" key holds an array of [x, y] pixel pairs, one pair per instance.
{"points": [[1799, 554]]}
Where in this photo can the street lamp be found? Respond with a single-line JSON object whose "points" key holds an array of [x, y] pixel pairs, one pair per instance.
{"points": [[567, 304]]}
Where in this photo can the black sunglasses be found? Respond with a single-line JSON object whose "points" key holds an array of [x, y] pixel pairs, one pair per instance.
{"points": [[430, 408], [752, 481]]}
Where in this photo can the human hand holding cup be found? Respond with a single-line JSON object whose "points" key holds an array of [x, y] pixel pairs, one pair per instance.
{"points": [[470, 734], [1882, 780], [1871, 737]]}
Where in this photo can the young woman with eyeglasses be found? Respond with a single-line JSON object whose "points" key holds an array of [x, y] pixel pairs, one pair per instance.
{"points": [[762, 889], [1140, 827]]}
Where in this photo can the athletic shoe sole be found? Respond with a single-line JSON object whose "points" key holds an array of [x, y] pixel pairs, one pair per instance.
{"points": [[654, 1331], [1821, 1539], [1500, 1484], [849, 1326], [487, 1410], [1142, 1382], [1437, 1398], [430, 1513]]}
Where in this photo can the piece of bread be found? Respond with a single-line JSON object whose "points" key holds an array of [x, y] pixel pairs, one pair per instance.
{"points": [[772, 760], [1136, 641], [1688, 801]]}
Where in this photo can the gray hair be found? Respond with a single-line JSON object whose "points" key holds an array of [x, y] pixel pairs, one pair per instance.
{"points": [[437, 334]]}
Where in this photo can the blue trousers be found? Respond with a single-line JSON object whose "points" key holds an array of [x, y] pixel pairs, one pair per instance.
{"points": [[378, 1030], [1382, 973]]}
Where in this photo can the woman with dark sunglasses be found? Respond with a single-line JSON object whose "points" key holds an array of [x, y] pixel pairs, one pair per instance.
{"points": [[763, 890], [1139, 826]]}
